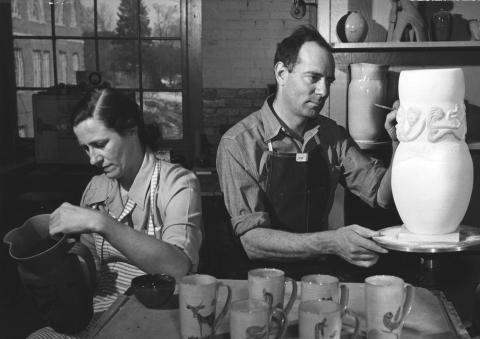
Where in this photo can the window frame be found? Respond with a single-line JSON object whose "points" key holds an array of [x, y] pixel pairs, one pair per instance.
{"points": [[190, 38]]}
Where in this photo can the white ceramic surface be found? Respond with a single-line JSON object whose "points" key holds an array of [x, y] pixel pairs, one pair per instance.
{"points": [[432, 171]]}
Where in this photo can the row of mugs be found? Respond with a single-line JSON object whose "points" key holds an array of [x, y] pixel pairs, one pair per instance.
{"points": [[323, 306]]}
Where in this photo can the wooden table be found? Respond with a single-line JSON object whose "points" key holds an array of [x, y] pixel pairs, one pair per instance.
{"points": [[432, 316]]}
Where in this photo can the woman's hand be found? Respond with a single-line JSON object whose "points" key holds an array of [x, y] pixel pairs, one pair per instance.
{"points": [[71, 219]]}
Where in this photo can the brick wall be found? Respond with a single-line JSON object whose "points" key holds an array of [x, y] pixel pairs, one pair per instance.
{"points": [[239, 39]]}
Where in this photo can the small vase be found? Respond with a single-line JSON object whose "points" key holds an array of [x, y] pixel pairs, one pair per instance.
{"points": [[474, 26], [441, 25], [356, 27], [368, 86]]}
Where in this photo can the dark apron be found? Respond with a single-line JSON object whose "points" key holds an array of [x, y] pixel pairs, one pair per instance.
{"points": [[298, 191]]}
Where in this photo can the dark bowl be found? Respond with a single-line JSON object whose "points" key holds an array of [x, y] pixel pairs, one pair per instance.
{"points": [[153, 290]]}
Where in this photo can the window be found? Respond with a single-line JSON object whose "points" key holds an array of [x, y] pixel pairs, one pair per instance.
{"points": [[138, 46], [46, 69], [37, 68], [75, 63], [62, 62], [19, 70], [35, 10], [59, 13], [15, 10], [73, 15]]}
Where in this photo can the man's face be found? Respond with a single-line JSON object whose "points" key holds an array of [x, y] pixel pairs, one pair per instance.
{"points": [[308, 85]]}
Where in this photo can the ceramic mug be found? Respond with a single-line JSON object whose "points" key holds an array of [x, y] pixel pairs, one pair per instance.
{"points": [[388, 300], [251, 318], [318, 319], [324, 287], [197, 303], [269, 284]]}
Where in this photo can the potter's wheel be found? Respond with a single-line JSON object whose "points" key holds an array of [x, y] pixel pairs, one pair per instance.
{"points": [[388, 238]]}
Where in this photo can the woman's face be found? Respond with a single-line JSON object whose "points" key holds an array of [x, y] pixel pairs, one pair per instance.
{"points": [[107, 149]]}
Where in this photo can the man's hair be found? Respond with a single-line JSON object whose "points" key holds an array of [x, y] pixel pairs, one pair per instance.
{"points": [[288, 48]]}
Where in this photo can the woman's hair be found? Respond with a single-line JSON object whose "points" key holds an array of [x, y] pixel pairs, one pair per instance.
{"points": [[288, 48], [117, 111]]}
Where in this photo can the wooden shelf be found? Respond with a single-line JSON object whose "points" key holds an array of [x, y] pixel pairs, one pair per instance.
{"points": [[381, 145], [341, 46]]}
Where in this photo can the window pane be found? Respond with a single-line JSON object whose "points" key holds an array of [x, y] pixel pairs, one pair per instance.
{"points": [[31, 17], [161, 64], [19, 67], [74, 18], [119, 62], [117, 18], [36, 71], [71, 58], [83, 10], [25, 114], [164, 109], [163, 17]]}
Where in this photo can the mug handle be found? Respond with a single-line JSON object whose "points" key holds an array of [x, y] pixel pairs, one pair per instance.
{"points": [[407, 304], [344, 296], [226, 307], [86, 262], [278, 315], [357, 322], [293, 296]]}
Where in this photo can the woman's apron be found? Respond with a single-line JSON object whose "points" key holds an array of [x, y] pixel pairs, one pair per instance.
{"points": [[116, 272]]}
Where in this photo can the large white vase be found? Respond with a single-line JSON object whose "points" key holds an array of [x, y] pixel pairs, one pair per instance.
{"points": [[432, 173]]}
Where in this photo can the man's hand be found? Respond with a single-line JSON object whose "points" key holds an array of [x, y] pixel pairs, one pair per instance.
{"points": [[391, 121], [352, 244], [71, 219]]}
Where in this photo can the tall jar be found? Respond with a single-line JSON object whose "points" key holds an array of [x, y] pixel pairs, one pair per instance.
{"points": [[432, 170], [368, 86]]}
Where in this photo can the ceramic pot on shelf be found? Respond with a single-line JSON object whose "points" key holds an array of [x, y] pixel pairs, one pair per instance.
{"points": [[441, 25], [352, 27], [474, 26], [432, 170], [368, 86]]}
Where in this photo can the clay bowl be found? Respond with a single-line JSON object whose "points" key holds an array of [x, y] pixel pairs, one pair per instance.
{"points": [[153, 291]]}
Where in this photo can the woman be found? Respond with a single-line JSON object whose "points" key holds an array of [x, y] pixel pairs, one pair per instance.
{"points": [[142, 214]]}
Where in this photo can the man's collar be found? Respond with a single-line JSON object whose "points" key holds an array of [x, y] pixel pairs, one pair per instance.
{"points": [[273, 127], [271, 124]]}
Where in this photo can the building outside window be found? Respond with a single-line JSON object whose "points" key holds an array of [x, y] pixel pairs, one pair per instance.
{"points": [[19, 69]]}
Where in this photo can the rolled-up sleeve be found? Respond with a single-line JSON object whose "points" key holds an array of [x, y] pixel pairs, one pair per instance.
{"points": [[362, 174], [182, 212], [244, 198]]}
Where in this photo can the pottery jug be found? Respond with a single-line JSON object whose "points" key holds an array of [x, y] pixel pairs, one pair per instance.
{"points": [[356, 27], [432, 170], [58, 273], [441, 25], [368, 86]]}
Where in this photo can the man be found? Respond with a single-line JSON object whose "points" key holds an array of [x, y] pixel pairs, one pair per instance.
{"points": [[279, 167]]}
